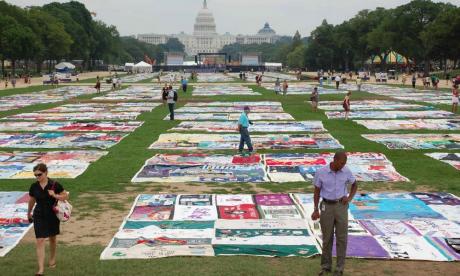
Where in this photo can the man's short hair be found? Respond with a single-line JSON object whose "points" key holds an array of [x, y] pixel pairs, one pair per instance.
{"points": [[246, 108], [340, 155]]}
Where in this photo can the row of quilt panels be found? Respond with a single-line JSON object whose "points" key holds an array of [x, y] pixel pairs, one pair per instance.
{"points": [[71, 126], [391, 114], [259, 126], [276, 167], [181, 141], [215, 90], [372, 105], [416, 141], [47, 96], [399, 226], [53, 140], [279, 116], [430, 124], [61, 164], [305, 89], [133, 93], [13, 219], [214, 77], [88, 111], [406, 94]]}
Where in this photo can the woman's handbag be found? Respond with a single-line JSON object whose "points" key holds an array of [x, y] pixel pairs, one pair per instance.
{"points": [[62, 208]]}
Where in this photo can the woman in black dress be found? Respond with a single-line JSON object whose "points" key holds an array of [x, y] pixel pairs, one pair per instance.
{"points": [[45, 193]]}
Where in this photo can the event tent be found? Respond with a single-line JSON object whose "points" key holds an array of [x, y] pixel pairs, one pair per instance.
{"points": [[64, 67], [142, 67]]}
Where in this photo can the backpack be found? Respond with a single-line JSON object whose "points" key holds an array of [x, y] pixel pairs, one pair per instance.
{"points": [[175, 96]]}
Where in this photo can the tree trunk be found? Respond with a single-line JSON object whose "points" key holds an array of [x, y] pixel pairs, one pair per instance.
{"points": [[13, 67], [426, 68]]}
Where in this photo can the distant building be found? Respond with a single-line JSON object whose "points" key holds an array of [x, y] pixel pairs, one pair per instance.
{"points": [[205, 39]]}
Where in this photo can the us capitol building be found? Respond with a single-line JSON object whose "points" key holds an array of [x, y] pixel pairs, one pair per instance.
{"points": [[205, 39]]}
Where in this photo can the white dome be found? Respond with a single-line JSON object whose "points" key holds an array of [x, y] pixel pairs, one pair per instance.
{"points": [[204, 22]]}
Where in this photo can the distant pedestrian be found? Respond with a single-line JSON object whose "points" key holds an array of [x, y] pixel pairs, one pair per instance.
{"points": [[285, 87], [98, 85], [404, 79], [359, 83], [447, 78], [13, 82], [414, 80], [320, 79], [184, 84], [455, 99], [243, 125], [277, 86], [119, 82], [346, 104], [338, 78], [314, 98], [171, 100]]}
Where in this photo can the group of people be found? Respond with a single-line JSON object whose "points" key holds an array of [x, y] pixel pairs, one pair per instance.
{"points": [[278, 87], [170, 97], [314, 99]]}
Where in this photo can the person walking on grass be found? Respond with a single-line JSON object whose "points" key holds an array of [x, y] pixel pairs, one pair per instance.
{"points": [[338, 78], [277, 86], [98, 85], [285, 87], [44, 194], [314, 98], [414, 80], [346, 104], [171, 99], [331, 185], [359, 82], [404, 79], [455, 99], [243, 125], [184, 84]]}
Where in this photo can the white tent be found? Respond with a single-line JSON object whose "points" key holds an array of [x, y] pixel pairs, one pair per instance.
{"points": [[129, 66], [142, 67], [64, 66]]}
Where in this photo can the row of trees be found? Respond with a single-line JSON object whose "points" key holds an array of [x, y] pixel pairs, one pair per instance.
{"points": [[422, 30], [67, 31]]}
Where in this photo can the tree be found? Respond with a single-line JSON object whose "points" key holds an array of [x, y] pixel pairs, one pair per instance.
{"points": [[174, 45], [296, 58]]}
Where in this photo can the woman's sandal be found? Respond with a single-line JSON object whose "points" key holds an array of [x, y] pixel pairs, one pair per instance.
{"points": [[39, 274], [52, 265]]}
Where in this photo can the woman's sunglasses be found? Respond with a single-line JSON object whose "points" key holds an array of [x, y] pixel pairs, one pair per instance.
{"points": [[38, 174]]}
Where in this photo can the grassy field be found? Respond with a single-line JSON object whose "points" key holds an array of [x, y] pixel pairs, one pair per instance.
{"points": [[111, 175]]}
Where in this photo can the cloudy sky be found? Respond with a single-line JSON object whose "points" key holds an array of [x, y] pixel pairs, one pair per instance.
{"points": [[235, 16]]}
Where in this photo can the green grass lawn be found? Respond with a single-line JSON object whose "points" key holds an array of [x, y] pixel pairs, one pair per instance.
{"points": [[112, 175]]}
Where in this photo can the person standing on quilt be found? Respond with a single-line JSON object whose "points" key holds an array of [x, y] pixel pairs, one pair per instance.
{"points": [[184, 84], [331, 185], [346, 104], [277, 86], [338, 79], [285, 87], [44, 194], [314, 98], [171, 99], [243, 125], [455, 99]]}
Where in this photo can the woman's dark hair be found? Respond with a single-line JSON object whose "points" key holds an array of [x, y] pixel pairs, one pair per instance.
{"points": [[41, 167]]}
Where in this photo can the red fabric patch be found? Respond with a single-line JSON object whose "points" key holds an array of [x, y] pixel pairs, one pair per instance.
{"points": [[243, 211]]}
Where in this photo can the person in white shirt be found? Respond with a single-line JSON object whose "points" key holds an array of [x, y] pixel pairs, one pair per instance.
{"points": [[338, 78], [171, 100]]}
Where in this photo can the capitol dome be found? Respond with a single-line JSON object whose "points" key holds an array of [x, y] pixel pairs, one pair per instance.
{"points": [[204, 23], [266, 30]]}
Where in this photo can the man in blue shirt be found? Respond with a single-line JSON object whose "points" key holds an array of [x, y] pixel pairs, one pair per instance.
{"points": [[184, 84], [331, 183], [243, 124]]}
